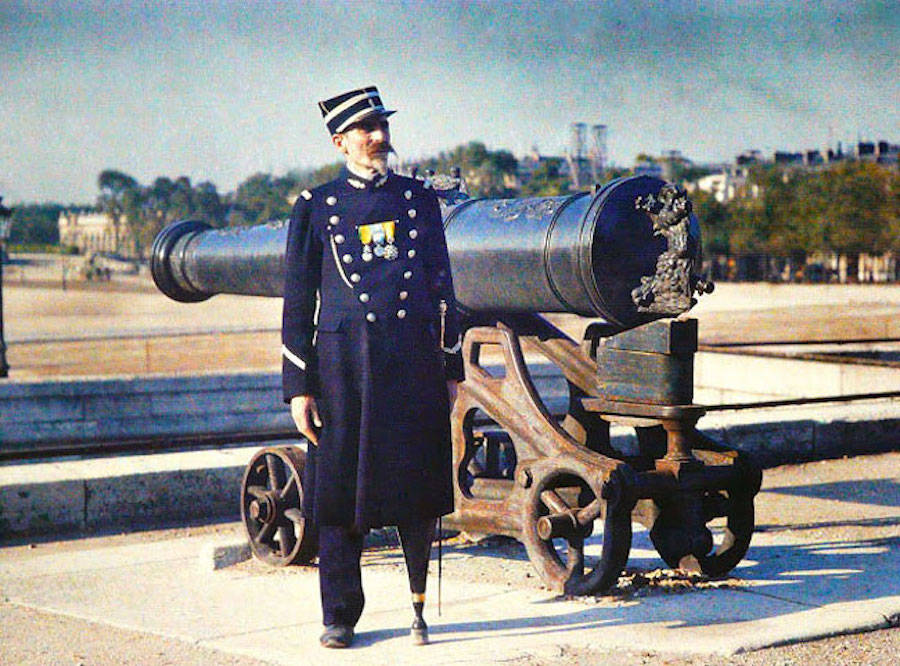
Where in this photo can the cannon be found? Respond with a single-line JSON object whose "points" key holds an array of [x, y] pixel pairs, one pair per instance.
{"points": [[625, 255]]}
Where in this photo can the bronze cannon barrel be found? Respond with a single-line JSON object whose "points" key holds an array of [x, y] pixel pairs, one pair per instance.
{"points": [[625, 253]]}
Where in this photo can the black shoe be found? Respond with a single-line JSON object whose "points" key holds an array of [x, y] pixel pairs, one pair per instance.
{"points": [[419, 632], [337, 636]]}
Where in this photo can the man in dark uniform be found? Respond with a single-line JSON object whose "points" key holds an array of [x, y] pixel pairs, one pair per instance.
{"points": [[371, 359]]}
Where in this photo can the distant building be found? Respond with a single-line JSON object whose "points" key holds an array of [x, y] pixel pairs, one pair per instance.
{"points": [[94, 232], [748, 158], [813, 157], [887, 153], [786, 158], [881, 152], [726, 185]]}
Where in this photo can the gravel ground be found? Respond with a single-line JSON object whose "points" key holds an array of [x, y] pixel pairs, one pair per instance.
{"points": [[30, 637]]}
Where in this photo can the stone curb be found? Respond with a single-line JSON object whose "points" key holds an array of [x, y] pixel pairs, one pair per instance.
{"points": [[214, 556]]}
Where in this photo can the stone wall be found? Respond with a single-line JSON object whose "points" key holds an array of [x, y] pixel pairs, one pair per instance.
{"points": [[42, 413]]}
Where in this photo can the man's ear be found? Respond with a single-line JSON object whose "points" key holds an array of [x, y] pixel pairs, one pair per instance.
{"points": [[338, 141]]}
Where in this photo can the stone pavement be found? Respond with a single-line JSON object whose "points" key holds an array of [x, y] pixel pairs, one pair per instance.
{"points": [[823, 562]]}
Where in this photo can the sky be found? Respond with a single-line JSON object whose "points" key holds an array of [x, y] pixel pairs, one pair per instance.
{"points": [[219, 90]]}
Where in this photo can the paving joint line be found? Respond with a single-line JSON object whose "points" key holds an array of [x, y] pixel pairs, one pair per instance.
{"points": [[106, 568], [769, 595]]}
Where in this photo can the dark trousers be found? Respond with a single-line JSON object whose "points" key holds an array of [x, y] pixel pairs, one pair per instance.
{"points": [[340, 578]]}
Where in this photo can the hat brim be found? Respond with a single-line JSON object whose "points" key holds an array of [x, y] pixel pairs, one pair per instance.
{"points": [[374, 113]]}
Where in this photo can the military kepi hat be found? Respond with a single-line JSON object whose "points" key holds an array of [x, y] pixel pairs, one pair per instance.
{"points": [[350, 107]]}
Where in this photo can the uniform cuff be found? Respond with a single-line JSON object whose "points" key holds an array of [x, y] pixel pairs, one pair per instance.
{"points": [[296, 382]]}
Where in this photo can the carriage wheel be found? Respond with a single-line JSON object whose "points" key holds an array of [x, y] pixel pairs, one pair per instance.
{"points": [[559, 512], [724, 534], [271, 495]]}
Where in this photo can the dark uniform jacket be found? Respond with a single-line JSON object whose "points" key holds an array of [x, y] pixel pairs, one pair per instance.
{"points": [[370, 330]]}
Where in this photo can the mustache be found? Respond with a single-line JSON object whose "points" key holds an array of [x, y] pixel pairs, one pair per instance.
{"points": [[384, 147]]}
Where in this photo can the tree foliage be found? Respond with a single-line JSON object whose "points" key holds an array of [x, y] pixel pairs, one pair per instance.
{"points": [[260, 198], [144, 210], [263, 197], [848, 208], [36, 224], [547, 180], [715, 222], [120, 199], [166, 201]]}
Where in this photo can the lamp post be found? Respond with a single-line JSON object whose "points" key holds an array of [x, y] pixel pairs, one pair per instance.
{"points": [[5, 227]]}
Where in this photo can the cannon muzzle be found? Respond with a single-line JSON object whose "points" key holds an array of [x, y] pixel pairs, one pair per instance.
{"points": [[627, 252]]}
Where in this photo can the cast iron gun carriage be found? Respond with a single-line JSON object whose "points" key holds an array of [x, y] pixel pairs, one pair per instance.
{"points": [[625, 254]]}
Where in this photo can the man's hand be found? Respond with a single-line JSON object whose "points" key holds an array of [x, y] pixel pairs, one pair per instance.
{"points": [[451, 391], [306, 417]]}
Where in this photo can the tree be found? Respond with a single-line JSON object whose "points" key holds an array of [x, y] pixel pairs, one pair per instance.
{"points": [[306, 179], [167, 200], [858, 208], [261, 198], [715, 222], [36, 224], [547, 180], [208, 204], [120, 199]]}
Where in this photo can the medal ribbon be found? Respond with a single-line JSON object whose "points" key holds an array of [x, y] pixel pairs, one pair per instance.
{"points": [[388, 228]]}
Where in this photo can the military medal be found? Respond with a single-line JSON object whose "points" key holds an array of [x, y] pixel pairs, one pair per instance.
{"points": [[365, 236], [390, 250], [378, 237], [378, 240]]}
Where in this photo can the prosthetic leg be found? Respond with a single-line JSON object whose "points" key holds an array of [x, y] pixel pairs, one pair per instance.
{"points": [[416, 540]]}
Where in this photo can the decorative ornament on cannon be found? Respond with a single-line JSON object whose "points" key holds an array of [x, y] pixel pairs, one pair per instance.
{"points": [[624, 254]]}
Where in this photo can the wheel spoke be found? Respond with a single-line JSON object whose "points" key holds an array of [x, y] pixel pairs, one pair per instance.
{"points": [[575, 556], [291, 483], [554, 502], [286, 540], [273, 464], [263, 535], [589, 513], [295, 516], [259, 492]]}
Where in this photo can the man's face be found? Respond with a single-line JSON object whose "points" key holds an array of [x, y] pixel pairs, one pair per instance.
{"points": [[366, 144]]}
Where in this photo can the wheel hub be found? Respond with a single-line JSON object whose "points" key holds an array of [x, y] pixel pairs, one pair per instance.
{"points": [[263, 509]]}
